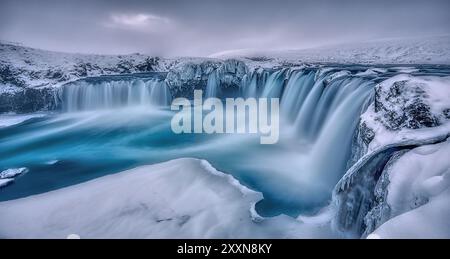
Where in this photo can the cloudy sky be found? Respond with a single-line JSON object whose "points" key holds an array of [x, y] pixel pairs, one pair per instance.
{"points": [[203, 27]]}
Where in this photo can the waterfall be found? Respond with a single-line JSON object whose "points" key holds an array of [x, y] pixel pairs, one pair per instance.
{"points": [[320, 112], [252, 83], [309, 99], [212, 85], [84, 95]]}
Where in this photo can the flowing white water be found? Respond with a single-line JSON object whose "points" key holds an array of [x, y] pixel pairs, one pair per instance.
{"points": [[212, 86], [319, 112], [82, 95]]}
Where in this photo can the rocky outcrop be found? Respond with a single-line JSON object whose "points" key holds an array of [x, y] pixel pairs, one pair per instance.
{"points": [[187, 76], [380, 210], [366, 134], [355, 198], [184, 77], [24, 100], [230, 73], [403, 102]]}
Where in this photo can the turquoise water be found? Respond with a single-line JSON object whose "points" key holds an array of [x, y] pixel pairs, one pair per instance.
{"points": [[295, 175]]}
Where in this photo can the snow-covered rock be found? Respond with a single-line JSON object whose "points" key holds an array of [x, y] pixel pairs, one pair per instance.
{"points": [[184, 77], [407, 111], [406, 108], [13, 172], [231, 72], [189, 75], [28, 76], [7, 176], [183, 198], [417, 195], [28, 67], [27, 99], [404, 101]]}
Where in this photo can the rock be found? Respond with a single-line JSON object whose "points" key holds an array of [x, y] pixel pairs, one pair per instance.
{"points": [[381, 211], [360, 201], [10, 76], [403, 104], [25, 100], [187, 76], [367, 134], [446, 113], [231, 72]]}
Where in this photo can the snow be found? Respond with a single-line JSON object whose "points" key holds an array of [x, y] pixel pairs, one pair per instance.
{"points": [[437, 96], [7, 176], [183, 198], [415, 50], [373, 71], [51, 162], [13, 172], [38, 68], [419, 194], [5, 182]]}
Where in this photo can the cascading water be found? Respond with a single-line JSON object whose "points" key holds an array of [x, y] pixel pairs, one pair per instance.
{"points": [[84, 95], [212, 85], [319, 114]]}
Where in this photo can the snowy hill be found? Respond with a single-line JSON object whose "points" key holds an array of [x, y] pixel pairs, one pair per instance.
{"points": [[27, 67], [429, 50]]}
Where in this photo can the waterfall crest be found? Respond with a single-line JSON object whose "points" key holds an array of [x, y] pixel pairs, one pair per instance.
{"points": [[82, 95]]}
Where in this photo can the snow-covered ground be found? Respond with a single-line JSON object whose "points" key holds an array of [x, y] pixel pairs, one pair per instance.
{"points": [[23, 66], [419, 195], [424, 50], [183, 198]]}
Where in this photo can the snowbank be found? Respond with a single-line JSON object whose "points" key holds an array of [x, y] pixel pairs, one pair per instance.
{"points": [[419, 195], [183, 198]]}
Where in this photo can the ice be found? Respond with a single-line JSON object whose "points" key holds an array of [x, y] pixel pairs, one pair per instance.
{"points": [[7, 176], [183, 198], [13, 172], [5, 182], [419, 194]]}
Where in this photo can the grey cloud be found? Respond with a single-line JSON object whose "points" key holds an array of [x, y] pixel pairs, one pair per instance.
{"points": [[202, 27]]}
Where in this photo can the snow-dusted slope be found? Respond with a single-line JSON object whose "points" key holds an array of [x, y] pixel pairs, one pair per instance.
{"points": [[430, 50], [27, 67], [184, 198]]}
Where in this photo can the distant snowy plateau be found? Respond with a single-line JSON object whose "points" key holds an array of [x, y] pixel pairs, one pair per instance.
{"points": [[397, 184]]}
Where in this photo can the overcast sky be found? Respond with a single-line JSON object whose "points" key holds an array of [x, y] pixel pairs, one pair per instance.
{"points": [[203, 27]]}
